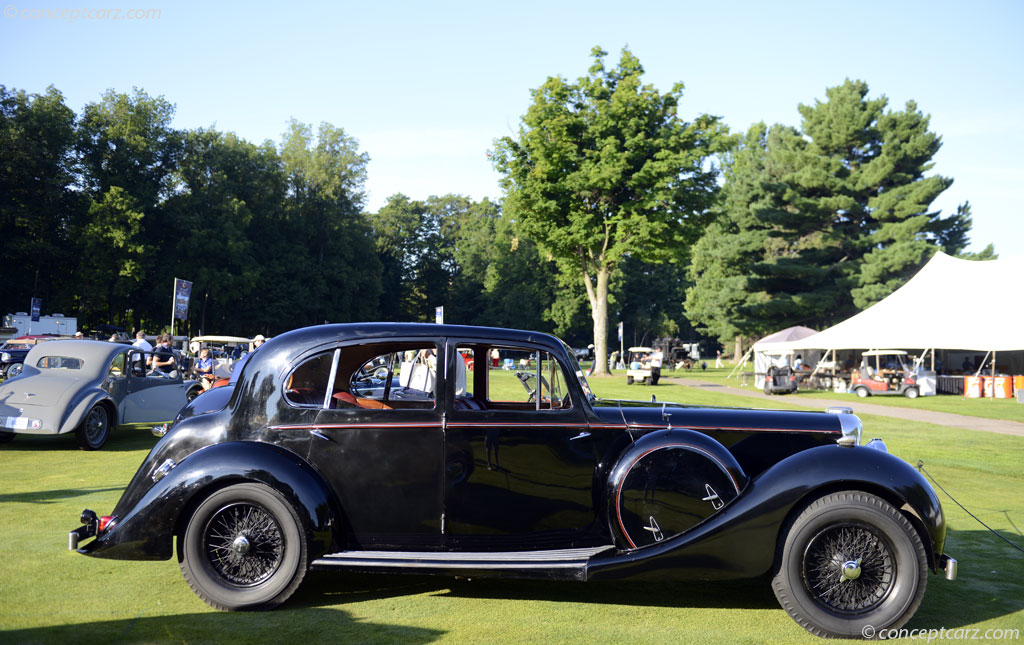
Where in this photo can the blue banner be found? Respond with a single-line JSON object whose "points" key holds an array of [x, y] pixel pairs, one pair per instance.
{"points": [[182, 293], [37, 305]]}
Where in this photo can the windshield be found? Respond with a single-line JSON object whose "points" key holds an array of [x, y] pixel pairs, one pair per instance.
{"points": [[574, 364]]}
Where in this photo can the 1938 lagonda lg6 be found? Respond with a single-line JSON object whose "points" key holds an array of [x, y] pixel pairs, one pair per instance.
{"points": [[392, 447]]}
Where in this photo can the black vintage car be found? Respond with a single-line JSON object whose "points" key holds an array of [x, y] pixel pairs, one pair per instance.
{"points": [[389, 447]]}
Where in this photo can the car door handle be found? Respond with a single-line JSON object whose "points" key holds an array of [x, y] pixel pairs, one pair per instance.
{"points": [[582, 435]]}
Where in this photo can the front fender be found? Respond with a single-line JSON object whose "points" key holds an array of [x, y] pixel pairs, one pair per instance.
{"points": [[146, 531], [740, 541], [81, 405]]}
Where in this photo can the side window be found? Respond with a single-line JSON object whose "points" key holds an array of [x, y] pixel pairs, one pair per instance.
{"points": [[387, 376], [116, 369], [307, 384], [526, 379]]}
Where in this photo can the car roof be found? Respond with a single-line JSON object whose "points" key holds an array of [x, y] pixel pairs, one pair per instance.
{"points": [[883, 352], [221, 339], [95, 354], [411, 330], [640, 349]]}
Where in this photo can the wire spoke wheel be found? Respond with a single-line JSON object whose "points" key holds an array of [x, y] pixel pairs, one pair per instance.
{"points": [[850, 560], [244, 548], [94, 430], [849, 568], [243, 543]]}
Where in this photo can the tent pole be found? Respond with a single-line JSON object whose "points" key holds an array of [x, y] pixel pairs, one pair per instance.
{"points": [[993, 376], [743, 361]]}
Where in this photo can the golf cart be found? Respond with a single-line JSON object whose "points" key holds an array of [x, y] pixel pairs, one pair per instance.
{"points": [[640, 366], [885, 371]]}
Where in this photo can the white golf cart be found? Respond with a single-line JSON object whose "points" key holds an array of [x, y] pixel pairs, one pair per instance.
{"points": [[640, 367]]}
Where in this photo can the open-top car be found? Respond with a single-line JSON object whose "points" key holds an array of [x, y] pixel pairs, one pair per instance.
{"points": [[374, 447], [87, 388]]}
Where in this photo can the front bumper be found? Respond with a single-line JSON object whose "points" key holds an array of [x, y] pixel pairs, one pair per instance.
{"points": [[89, 528], [948, 565]]}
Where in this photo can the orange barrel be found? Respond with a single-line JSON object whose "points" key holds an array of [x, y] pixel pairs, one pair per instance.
{"points": [[972, 387]]}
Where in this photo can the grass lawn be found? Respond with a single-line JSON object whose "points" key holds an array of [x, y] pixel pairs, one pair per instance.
{"points": [[50, 595], [1003, 409]]}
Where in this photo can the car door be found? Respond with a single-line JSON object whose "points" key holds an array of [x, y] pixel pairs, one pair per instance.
{"points": [[520, 459], [151, 397], [378, 440]]}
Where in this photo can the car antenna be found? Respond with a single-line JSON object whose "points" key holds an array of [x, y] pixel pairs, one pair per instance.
{"points": [[626, 423]]}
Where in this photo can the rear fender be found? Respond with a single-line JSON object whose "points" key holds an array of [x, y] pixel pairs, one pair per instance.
{"points": [[147, 530], [81, 407], [741, 540]]}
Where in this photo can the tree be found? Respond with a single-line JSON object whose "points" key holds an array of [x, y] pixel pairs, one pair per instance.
{"points": [[37, 204], [604, 168], [128, 152], [330, 261], [819, 222]]}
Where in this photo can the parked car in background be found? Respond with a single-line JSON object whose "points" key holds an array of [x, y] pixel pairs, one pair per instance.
{"points": [[87, 388], [373, 447], [13, 352]]}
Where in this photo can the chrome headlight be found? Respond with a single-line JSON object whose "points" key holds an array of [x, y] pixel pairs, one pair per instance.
{"points": [[850, 424], [5, 357]]}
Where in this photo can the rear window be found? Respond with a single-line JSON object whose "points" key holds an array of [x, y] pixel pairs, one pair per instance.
{"points": [[59, 363]]}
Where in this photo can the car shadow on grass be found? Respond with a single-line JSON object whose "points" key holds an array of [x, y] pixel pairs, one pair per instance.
{"points": [[304, 625], [326, 588], [53, 496], [119, 441], [989, 584], [990, 587]]}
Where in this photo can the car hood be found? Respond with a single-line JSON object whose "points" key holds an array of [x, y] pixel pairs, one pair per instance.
{"points": [[645, 414], [36, 390]]}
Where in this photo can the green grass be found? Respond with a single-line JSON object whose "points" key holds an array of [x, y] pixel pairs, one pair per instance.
{"points": [[50, 595], [1001, 409]]}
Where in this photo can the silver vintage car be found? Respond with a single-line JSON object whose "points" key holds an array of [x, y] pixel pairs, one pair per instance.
{"points": [[88, 387]]}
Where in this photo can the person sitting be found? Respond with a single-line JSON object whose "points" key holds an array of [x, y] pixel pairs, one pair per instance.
{"points": [[163, 362], [204, 369]]}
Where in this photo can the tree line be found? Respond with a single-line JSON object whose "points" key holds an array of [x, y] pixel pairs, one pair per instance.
{"points": [[615, 208]]}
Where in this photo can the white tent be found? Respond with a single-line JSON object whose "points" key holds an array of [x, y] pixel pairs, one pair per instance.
{"points": [[949, 304], [776, 349]]}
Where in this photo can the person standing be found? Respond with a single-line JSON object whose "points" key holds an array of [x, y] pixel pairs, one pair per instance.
{"points": [[141, 342], [718, 359]]}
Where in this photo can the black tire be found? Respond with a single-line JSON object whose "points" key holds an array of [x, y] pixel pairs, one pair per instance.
{"points": [[851, 564], [911, 393], [862, 392], [192, 394], [7, 436], [629, 380], [94, 430], [244, 549]]}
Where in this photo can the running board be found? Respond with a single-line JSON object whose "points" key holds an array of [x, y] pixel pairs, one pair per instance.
{"points": [[565, 564]]}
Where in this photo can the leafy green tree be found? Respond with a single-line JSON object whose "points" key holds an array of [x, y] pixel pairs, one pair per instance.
{"points": [[325, 253], [604, 168], [128, 152], [37, 203], [223, 185], [821, 222]]}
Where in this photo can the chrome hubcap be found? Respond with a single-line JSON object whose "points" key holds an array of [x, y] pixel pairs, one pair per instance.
{"points": [[851, 570], [240, 545]]}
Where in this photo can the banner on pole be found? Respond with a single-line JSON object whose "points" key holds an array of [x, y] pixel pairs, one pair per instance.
{"points": [[37, 306], [182, 293], [439, 315], [620, 330]]}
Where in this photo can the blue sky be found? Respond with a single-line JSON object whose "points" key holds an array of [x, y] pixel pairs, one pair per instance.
{"points": [[426, 87]]}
